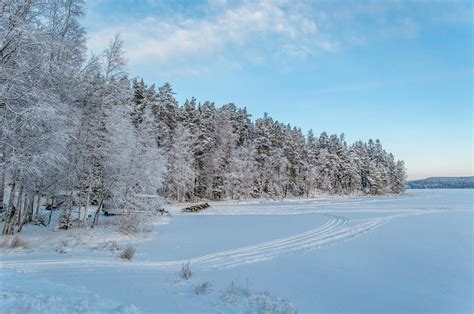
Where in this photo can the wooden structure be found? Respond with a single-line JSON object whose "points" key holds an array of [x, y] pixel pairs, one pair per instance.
{"points": [[195, 208]]}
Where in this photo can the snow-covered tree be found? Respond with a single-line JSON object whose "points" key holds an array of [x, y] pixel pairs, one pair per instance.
{"points": [[166, 113], [181, 168], [41, 53]]}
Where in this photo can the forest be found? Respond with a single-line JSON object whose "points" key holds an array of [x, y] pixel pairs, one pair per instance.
{"points": [[77, 126], [442, 183]]}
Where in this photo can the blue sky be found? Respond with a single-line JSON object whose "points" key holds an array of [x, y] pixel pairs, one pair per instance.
{"points": [[400, 71]]}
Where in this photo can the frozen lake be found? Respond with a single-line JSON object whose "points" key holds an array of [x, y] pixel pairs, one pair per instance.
{"points": [[411, 253]]}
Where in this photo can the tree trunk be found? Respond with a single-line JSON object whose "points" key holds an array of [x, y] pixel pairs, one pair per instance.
{"points": [[19, 202], [25, 206], [50, 215], [23, 217], [9, 221], [31, 205], [2, 188], [86, 206], [97, 214], [53, 200], [79, 216], [38, 203]]}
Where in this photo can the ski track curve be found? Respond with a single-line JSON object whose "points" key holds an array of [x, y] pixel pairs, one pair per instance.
{"points": [[336, 229]]}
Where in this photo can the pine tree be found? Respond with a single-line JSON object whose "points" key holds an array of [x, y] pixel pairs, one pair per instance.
{"points": [[310, 171], [263, 149], [166, 113], [181, 173], [203, 148], [139, 100], [240, 180]]}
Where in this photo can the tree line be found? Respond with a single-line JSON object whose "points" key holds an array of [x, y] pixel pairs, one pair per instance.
{"points": [[78, 126], [219, 153], [442, 183]]}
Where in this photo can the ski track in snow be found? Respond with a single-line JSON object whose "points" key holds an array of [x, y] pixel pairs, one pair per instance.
{"points": [[335, 230]]}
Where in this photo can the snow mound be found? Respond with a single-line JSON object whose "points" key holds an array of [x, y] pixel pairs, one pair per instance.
{"points": [[249, 301]]}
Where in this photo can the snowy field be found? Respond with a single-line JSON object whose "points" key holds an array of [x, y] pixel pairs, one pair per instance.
{"points": [[410, 253]]}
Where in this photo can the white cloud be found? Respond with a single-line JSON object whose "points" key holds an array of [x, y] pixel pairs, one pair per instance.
{"points": [[261, 31], [255, 25]]}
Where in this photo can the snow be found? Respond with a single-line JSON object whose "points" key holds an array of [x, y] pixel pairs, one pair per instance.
{"points": [[21, 294], [105, 240], [410, 253]]}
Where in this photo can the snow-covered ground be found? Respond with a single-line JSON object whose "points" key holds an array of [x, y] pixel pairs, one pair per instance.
{"points": [[410, 253]]}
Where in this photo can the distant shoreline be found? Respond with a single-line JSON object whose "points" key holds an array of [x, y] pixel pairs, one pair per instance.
{"points": [[442, 183]]}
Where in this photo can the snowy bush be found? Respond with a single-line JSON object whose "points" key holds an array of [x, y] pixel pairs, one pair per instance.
{"points": [[234, 293], [18, 242], [186, 272], [112, 246], [256, 302], [203, 288], [41, 220], [61, 248], [128, 253], [265, 302]]}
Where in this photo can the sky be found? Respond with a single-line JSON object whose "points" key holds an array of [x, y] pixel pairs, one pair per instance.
{"points": [[399, 71]]}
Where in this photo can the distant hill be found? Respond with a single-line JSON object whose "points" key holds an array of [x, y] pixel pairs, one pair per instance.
{"points": [[442, 183]]}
